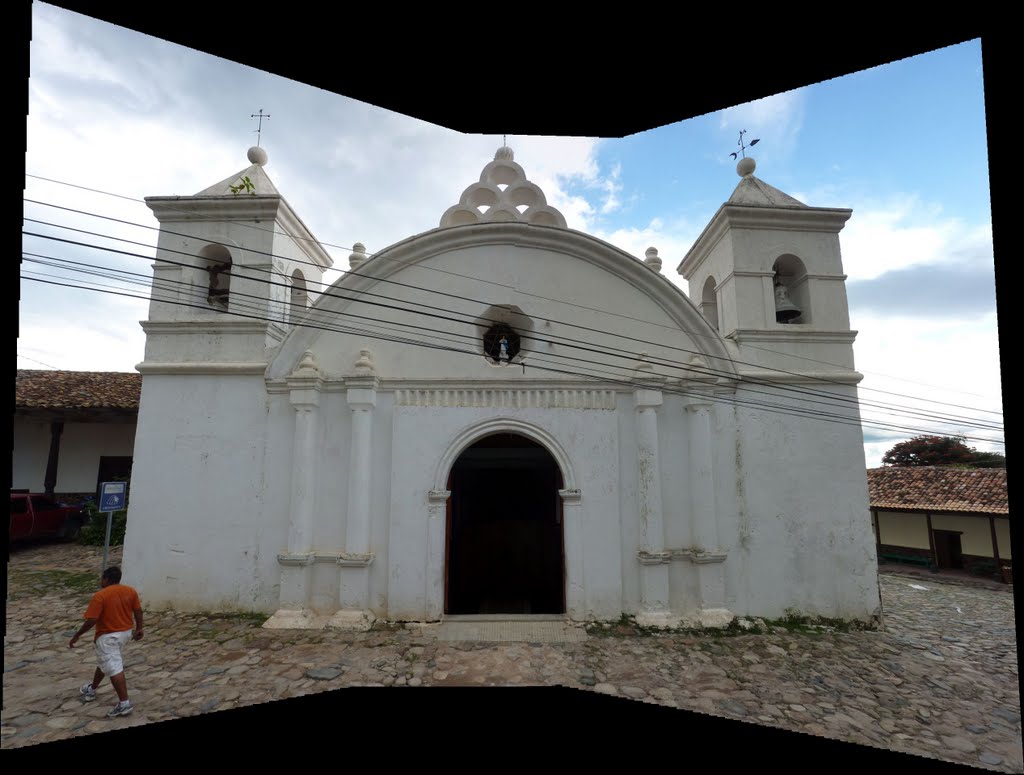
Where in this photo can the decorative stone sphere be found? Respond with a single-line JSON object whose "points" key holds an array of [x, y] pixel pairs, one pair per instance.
{"points": [[504, 154], [653, 260], [745, 167], [257, 155], [358, 255]]}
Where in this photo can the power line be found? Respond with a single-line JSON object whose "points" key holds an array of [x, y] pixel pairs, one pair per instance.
{"points": [[39, 362], [470, 277], [797, 411], [631, 356]]}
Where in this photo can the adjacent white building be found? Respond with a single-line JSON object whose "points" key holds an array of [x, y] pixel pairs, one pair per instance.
{"points": [[428, 436]]}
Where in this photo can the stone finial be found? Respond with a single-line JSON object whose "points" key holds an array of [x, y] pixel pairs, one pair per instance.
{"points": [[643, 366], [308, 366], [257, 155], [652, 260], [365, 363], [504, 154], [699, 368], [358, 255], [745, 166]]}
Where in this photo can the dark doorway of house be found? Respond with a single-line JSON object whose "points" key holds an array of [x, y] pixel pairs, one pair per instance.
{"points": [[113, 469], [948, 550], [504, 551]]}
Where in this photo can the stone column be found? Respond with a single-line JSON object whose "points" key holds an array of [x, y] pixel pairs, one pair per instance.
{"points": [[355, 561], [654, 582], [437, 517], [304, 394], [575, 592], [706, 553]]}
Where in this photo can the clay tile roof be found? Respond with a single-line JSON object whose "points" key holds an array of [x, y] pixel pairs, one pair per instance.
{"points": [[936, 488], [77, 390]]}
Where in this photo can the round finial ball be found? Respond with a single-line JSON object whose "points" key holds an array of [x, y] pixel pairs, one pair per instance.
{"points": [[257, 155], [504, 154], [745, 167]]}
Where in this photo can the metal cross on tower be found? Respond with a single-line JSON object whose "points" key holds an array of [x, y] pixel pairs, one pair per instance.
{"points": [[261, 115]]}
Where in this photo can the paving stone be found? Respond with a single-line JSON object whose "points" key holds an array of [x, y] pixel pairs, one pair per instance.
{"points": [[932, 684], [323, 673]]}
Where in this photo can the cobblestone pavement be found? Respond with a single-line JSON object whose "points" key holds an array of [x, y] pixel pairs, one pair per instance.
{"points": [[940, 681]]}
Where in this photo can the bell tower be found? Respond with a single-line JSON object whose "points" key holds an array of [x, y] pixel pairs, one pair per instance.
{"points": [[235, 270], [767, 270]]}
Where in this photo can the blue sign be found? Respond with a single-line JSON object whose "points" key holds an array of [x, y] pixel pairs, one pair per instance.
{"points": [[112, 496]]}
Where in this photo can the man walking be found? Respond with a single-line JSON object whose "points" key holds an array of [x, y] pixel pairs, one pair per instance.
{"points": [[111, 611]]}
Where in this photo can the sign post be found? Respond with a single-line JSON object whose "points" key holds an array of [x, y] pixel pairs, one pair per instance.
{"points": [[112, 498]]}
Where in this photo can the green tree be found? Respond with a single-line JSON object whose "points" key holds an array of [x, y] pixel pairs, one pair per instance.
{"points": [[941, 451]]}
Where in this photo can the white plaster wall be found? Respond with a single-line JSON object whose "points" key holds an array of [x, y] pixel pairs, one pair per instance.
{"points": [[1003, 536], [976, 532], [29, 454], [198, 536], [902, 529], [530, 274], [81, 447], [422, 436], [808, 542]]}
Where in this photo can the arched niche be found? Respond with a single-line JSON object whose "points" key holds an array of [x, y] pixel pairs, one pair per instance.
{"points": [[790, 275]]}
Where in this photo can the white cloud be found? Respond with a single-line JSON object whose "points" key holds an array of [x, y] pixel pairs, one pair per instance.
{"points": [[906, 232]]}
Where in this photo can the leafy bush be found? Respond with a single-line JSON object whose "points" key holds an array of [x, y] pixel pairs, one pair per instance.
{"points": [[95, 532]]}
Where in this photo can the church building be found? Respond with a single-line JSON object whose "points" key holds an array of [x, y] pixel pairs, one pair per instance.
{"points": [[499, 416]]}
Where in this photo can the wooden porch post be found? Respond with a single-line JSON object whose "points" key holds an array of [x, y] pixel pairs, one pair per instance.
{"points": [[931, 540], [50, 480], [995, 546]]}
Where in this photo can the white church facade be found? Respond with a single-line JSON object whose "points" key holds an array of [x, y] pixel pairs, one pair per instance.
{"points": [[498, 416]]}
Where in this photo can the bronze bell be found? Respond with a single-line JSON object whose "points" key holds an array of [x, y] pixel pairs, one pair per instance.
{"points": [[785, 310]]}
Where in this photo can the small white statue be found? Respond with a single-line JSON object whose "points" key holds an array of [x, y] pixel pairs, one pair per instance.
{"points": [[503, 354]]}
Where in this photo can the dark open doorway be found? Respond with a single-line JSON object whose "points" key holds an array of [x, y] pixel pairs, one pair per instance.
{"points": [[948, 549], [504, 551]]}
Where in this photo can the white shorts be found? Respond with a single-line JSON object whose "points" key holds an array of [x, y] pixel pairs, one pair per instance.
{"points": [[108, 651]]}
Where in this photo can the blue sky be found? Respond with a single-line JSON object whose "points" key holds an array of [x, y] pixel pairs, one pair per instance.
{"points": [[903, 145]]}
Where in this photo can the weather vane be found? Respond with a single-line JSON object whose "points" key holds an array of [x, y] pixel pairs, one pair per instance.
{"points": [[742, 146], [261, 115]]}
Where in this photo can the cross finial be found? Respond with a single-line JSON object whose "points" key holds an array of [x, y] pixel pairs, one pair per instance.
{"points": [[261, 115]]}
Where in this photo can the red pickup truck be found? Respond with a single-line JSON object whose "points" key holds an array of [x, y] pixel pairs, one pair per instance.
{"points": [[39, 516]]}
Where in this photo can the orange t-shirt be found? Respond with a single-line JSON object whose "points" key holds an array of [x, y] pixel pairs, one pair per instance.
{"points": [[113, 609]]}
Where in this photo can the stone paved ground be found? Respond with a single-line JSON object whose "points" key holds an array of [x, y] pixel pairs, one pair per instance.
{"points": [[940, 681]]}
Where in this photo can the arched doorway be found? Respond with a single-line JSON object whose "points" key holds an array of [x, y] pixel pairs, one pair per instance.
{"points": [[504, 549]]}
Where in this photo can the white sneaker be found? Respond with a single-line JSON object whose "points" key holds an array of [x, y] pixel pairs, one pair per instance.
{"points": [[88, 693], [121, 709]]}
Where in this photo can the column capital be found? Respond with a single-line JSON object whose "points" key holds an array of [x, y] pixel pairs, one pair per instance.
{"points": [[647, 399], [438, 496], [304, 392], [571, 496]]}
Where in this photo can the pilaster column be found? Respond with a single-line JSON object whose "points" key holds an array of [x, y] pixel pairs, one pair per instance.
{"points": [[572, 514], [355, 561], [706, 552], [654, 582], [437, 518], [296, 560]]}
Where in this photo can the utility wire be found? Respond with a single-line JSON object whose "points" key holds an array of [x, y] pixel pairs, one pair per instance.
{"points": [[629, 382], [572, 343], [478, 279]]}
